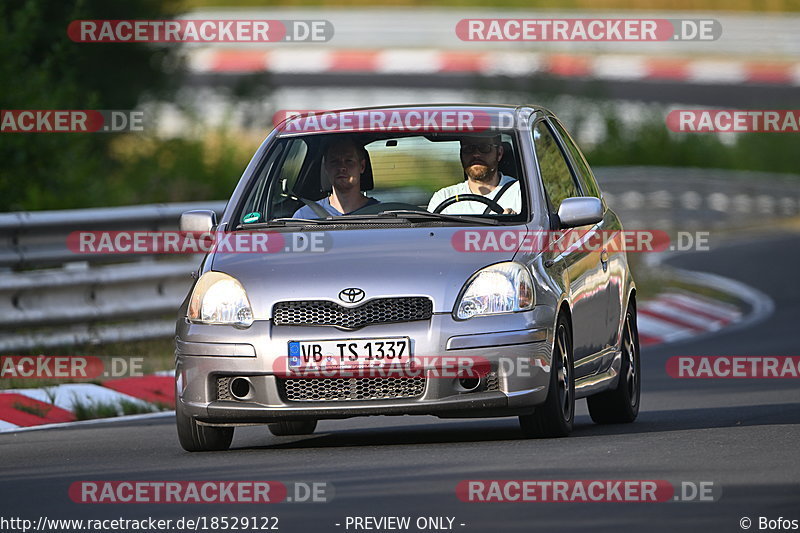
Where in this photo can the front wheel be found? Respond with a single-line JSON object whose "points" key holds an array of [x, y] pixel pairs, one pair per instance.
{"points": [[621, 404], [197, 438], [555, 416]]}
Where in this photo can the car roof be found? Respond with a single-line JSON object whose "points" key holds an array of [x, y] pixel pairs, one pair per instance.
{"points": [[484, 107]]}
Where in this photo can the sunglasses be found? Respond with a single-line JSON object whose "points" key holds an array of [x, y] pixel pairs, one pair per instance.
{"points": [[482, 148]]}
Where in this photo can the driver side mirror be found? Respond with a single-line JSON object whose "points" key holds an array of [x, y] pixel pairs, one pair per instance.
{"points": [[200, 221], [580, 211]]}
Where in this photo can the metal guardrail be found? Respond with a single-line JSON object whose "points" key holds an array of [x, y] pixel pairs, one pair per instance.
{"points": [[80, 304], [36, 239], [86, 300], [88, 295], [697, 199]]}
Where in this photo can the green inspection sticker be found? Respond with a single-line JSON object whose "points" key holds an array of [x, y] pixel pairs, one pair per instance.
{"points": [[251, 217]]}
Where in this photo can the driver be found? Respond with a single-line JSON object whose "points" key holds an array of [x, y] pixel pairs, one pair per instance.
{"points": [[480, 157], [343, 164]]}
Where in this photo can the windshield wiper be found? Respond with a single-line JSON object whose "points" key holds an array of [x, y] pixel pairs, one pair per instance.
{"points": [[399, 216], [281, 222], [291, 222], [408, 214]]}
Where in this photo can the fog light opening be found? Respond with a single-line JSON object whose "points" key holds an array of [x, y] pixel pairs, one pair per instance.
{"points": [[240, 388], [469, 383]]}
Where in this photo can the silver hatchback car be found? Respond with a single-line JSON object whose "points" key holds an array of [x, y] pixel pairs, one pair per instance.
{"points": [[447, 260]]}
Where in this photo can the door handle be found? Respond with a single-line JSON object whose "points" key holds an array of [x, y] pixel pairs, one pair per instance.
{"points": [[604, 260]]}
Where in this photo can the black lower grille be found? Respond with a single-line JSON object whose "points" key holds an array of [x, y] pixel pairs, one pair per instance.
{"points": [[349, 389], [224, 388], [326, 313], [492, 382]]}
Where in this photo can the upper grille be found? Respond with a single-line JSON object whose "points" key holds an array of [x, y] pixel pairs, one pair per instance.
{"points": [[378, 311]]}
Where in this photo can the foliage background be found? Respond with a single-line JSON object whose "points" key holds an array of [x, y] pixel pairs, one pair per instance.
{"points": [[42, 69]]}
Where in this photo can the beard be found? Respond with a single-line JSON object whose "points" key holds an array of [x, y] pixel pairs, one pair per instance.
{"points": [[479, 172]]}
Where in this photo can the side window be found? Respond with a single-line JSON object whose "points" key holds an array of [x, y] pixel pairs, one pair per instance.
{"points": [[252, 210], [556, 176], [288, 171], [585, 175], [282, 187]]}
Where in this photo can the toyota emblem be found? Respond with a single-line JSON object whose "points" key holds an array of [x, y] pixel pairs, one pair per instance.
{"points": [[351, 295]]}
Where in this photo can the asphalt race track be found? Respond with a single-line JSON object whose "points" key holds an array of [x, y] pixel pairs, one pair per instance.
{"points": [[742, 435]]}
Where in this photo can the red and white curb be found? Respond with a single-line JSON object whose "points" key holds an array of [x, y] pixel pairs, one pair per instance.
{"points": [[415, 61], [673, 316], [25, 408]]}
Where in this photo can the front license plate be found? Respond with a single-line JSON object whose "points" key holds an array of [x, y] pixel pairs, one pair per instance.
{"points": [[353, 353]]}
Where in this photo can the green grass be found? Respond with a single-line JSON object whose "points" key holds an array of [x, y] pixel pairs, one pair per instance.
{"points": [[714, 294], [89, 410], [651, 144], [650, 282], [35, 410]]}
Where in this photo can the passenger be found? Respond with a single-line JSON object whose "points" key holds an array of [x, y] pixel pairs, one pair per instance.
{"points": [[343, 164], [480, 157]]}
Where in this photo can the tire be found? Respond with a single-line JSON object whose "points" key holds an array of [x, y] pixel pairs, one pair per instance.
{"points": [[554, 418], [292, 427], [197, 438], [621, 404]]}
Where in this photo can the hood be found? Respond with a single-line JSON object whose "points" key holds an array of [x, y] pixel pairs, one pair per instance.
{"points": [[381, 262]]}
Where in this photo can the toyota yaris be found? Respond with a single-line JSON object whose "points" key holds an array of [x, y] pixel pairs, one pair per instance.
{"points": [[449, 260]]}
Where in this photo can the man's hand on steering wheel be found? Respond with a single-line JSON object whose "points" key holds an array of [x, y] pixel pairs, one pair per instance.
{"points": [[494, 206]]}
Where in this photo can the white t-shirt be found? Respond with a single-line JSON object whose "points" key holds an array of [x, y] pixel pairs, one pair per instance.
{"points": [[512, 198]]}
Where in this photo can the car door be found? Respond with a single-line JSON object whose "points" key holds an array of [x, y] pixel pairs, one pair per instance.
{"points": [[616, 264], [585, 269]]}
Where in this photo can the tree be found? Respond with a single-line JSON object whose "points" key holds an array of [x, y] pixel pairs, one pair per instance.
{"points": [[42, 68]]}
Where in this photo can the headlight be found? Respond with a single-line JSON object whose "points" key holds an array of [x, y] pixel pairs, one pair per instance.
{"points": [[218, 298], [500, 288]]}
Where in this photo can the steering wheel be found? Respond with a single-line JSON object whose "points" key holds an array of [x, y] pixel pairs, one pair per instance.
{"points": [[494, 206]]}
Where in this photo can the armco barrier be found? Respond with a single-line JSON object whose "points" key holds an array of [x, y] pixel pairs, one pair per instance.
{"points": [[37, 239], [697, 199], [87, 300]]}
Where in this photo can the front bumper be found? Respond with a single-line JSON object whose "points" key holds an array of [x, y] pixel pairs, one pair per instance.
{"points": [[517, 348]]}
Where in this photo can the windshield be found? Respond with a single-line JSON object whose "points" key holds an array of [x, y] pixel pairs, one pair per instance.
{"points": [[348, 177]]}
